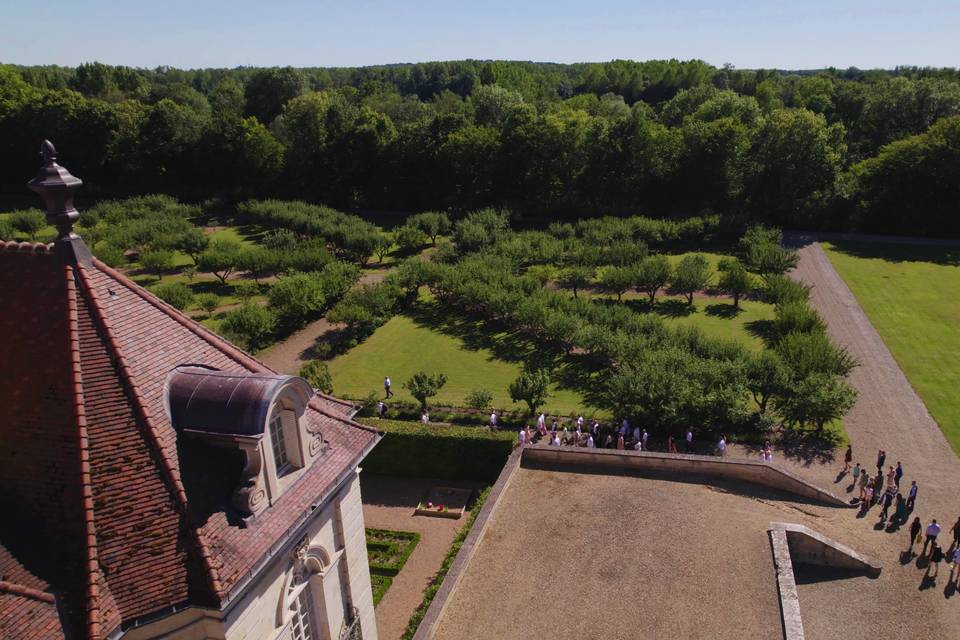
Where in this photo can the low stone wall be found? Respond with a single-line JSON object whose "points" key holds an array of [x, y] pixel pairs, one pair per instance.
{"points": [[760, 473], [809, 547], [786, 586]]}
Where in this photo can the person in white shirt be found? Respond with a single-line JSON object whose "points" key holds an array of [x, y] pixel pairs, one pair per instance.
{"points": [[638, 446], [386, 387], [636, 434], [722, 446], [522, 437], [425, 417], [590, 443], [556, 440], [541, 422], [579, 423], [625, 427], [689, 440], [643, 441], [932, 532], [493, 420]]}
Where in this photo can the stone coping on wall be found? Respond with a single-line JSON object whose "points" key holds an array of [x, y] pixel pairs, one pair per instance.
{"points": [[462, 560], [813, 548], [786, 585], [761, 473]]}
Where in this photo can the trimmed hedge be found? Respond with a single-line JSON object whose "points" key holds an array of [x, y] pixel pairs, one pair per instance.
{"points": [[380, 585], [438, 451], [397, 545]]}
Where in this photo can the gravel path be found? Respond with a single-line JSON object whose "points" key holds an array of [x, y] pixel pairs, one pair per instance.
{"points": [[388, 503], [289, 355], [888, 414]]}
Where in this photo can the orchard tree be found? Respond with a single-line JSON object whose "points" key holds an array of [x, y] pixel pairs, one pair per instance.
{"points": [[734, 279], [817, 399], [193, 242], [250, 326], [317, 374], [653, 273], [531, 387], [432, 223], [221, 259], [576, 278], [157, 261], [423, 386], [691, 275], [617, 280], [176, 294], [767, 376]]}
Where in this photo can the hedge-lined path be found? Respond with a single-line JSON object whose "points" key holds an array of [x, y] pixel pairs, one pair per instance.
{"points": [[388, 503], [289, 355]]}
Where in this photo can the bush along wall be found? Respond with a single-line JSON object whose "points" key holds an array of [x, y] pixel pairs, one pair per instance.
{"points": [[448, 452]]}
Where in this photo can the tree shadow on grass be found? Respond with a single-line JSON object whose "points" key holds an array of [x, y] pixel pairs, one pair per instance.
{"points": [[725, 311], [763, 329], [674, 309], [578, 372]]}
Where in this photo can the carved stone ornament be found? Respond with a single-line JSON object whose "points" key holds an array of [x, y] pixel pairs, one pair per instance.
{"points": [[250, 497], [300, 571]]}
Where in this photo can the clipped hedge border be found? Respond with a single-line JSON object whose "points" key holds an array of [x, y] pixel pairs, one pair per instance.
{"points": [[431, 591], [411, 538], [447, 452], [380, 586]]}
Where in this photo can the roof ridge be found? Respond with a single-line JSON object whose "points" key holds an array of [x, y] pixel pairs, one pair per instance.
{"points": [[90, 532], [198, 329], [16, 589], [26, 247], [180, 496]]}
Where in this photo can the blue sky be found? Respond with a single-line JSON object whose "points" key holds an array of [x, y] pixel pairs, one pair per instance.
{"points": [[214, 33]]}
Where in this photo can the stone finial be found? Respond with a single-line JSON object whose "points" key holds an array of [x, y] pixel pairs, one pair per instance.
{"points": [[56, 187]]}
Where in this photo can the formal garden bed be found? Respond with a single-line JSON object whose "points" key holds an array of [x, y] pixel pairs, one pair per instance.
{"points": [[387, 552]]}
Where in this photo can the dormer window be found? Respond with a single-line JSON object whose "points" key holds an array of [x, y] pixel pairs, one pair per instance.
{"points": [[263, 415]]}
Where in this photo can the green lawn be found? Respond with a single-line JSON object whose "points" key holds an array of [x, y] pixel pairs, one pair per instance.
{"points": [[471, 356], [912, 296]]}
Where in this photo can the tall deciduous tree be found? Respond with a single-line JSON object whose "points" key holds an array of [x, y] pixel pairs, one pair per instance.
{"points": [[691, 274], [531, 387], [424, 386]]}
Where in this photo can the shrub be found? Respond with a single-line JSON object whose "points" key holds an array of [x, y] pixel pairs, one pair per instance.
{"points": [[28, 221], [208, 302], [246, 290], [175, 294], [6, 229], [110, 254], [780, 289], [808, 353], [797, 316], [479, 399], [318, 375], [409, 238], [300, 297], [250, 326]]}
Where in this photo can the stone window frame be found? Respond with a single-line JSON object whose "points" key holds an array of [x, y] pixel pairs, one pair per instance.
{"points": [[295, 441], [309, 566]]}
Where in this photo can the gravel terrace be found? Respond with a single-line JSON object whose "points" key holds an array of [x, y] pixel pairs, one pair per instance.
{"points": [[388, 503]]}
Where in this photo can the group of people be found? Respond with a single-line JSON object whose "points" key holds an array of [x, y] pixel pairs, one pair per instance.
{"points": [[593, 436], [885, 489]]}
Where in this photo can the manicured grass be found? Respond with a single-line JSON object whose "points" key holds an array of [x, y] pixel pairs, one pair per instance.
{"points": [[911, 294], [472, 354]]}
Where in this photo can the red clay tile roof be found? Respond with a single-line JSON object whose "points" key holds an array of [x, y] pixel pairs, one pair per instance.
{"points": [[120, 523], [28, 611]]}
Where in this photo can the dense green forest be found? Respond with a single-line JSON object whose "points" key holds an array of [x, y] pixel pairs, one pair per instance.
{"points": [[831, 149]]}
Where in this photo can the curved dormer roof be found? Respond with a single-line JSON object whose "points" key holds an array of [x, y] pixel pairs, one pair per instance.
{"points": [[228, 403]]}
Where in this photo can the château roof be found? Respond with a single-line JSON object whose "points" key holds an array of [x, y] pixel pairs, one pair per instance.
{"points": [[102, 505]]}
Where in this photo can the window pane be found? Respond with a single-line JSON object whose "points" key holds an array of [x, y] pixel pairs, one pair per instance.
{"points": [[279, 445], [302, 625]]}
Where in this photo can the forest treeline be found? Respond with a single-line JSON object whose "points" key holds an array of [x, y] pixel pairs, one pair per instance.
{"points": [[875, 151]]}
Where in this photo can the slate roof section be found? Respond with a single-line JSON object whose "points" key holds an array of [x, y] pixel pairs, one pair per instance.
{"points": [[120, 526]]}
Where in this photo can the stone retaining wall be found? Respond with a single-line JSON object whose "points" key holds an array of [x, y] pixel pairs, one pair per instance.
{"points": [[760, 473]]}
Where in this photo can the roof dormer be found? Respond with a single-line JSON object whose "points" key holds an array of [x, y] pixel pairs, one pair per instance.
{"points": [[262, 415]]}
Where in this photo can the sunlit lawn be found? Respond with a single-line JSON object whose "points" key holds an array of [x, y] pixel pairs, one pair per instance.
{"points": [[912, 296], [429, 340]]}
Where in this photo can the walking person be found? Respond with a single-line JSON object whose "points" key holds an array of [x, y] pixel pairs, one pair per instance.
{"points": [[881, 458], [932, 532], [878, 485], [936, 555], [386, 387], [382, 409], [900, 515], [722, 446], [912, 496], [885, 502], [955, 529], [522, 435], [856, 474], [898, 474], [915, 528], [689, 440], [864, 480], [671, 447], [847, 458], [891, 476], [493, 419], [620, 443], [955, 568], [643, 441]]}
